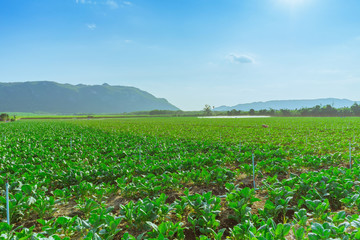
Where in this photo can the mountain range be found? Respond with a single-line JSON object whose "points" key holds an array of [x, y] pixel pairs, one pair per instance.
{"points": [[56, 98], [288, 104]]}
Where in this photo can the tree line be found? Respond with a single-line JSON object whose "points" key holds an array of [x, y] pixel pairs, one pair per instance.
{"points": [[317, 111]]}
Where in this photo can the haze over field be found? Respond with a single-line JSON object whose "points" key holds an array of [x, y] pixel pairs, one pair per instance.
{"points": [[217, 52]]}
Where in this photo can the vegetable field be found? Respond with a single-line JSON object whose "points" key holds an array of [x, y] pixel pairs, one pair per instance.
{"points": [[181, 178]]}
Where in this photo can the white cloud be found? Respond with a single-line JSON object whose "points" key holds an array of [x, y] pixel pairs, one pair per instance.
{"points": [[240, 58], [91, 26], [85, 2], [128, 41], [112, 4]]}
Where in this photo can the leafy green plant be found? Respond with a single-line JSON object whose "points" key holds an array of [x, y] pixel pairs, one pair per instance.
{"points": [[299, 233], [87, 206], [168, 230], [271, 230], [204, 210], [244, 230], [44, 207], [240, 201], [300, 217], [318, 208]]}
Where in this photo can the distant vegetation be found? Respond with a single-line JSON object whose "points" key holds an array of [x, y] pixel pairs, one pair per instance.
{"points": [[4, 117], [152, 113], [317, 111], [289, 104]]}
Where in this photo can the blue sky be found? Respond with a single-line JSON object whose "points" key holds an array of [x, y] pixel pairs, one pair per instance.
{"points": [[191, 52]]}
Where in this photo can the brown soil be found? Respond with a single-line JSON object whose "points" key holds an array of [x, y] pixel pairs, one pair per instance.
{"points": [[189, 234], [262, 195], [115, 201], [66, 209]]}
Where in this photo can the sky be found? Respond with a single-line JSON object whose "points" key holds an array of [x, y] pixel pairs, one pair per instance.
{"points": [[191, 52]]}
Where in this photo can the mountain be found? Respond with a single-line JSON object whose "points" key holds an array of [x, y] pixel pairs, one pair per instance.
{"points": [[289, 104], [52, 97]]}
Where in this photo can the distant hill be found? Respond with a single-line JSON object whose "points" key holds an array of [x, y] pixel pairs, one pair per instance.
{"points": [[288, 104], [52, 97]]}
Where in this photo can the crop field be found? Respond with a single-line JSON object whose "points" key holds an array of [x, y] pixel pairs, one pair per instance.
{"points": [[181, 178]]}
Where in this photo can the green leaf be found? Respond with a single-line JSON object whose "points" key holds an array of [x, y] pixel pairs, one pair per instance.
{"points": [[317, 228], [154, 226], [26, 188], [61, 220], [299, 233], [313, 236]]}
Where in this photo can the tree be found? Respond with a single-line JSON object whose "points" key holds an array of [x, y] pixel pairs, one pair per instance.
{"points": [[285, 112], [251, 112], [345, 112], [328, 110], [233, 112], [263, 112], [207, 110], [304, 112], [315, 111], [4, 117], [355, 109]]}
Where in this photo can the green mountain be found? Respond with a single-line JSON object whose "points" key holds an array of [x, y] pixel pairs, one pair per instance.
{"points": [[52, 97]]}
